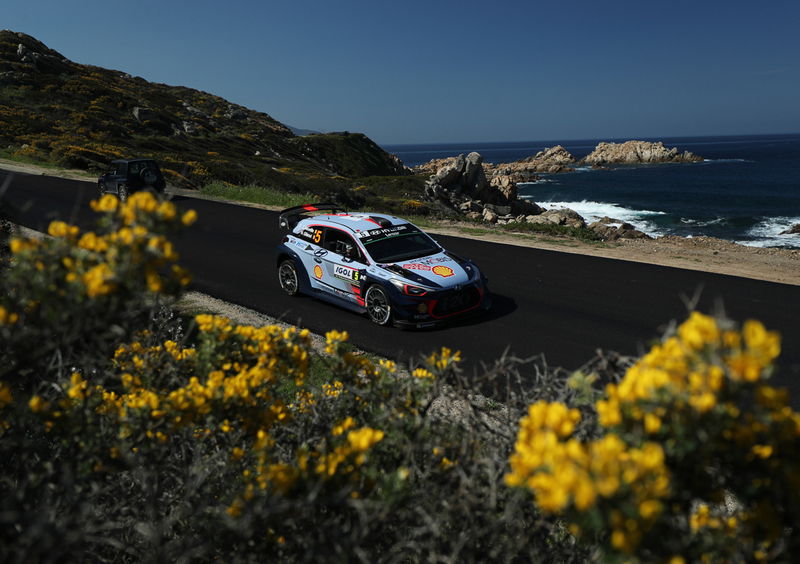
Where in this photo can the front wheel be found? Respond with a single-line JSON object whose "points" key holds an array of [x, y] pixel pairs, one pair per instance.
{"points": [[122, 193], [379, 308], [287, 277]]}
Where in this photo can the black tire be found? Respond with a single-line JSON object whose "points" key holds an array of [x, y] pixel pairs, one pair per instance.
{"points": [[379, 306], [122, 193], [288, 278]]}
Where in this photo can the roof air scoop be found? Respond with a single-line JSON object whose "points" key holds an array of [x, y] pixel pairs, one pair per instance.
{"points": [[382, 221]]}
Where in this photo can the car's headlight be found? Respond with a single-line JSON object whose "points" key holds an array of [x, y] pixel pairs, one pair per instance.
{"points": [[409, 289]]}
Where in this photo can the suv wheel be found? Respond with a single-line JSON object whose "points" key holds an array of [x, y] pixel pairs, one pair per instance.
{"points": [[122, 193], [287, 277], [379, 308]]}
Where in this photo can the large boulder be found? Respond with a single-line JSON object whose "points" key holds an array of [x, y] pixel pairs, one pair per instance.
{"points": [[561, 216], [793, 230], [610, 229], [463, 177], [450, 172], [637, 152], [551, 160]]}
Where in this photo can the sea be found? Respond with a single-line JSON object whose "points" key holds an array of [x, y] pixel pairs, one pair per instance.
{"points": [[746, 189]]}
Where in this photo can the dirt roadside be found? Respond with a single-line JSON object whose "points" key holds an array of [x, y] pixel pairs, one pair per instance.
{"points": [[705, 254]]}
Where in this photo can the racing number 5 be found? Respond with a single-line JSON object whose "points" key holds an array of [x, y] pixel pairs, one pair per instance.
{"points": [[317, 236]]}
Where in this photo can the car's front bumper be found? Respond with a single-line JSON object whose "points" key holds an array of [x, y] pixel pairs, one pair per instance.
{"points": [[440, 307]]}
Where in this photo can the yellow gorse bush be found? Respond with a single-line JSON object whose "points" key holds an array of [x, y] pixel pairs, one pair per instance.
{"points": [[694, 420]]}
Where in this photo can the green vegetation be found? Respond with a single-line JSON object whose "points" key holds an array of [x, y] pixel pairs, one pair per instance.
{"points": [[255, 194], [77, 116], [130, 436]]}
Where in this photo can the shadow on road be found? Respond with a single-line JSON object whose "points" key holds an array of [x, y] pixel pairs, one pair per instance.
{"points": [[501, 306]]}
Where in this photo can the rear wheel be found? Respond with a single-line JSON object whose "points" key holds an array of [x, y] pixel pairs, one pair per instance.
{"points": [[287, 277], [379, 308]]}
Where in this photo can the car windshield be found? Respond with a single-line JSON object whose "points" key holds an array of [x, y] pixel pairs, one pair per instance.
{"points": [[404, 242]]}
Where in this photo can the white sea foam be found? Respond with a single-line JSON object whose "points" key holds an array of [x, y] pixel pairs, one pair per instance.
{"points": [[767, 233], [593, 211]]}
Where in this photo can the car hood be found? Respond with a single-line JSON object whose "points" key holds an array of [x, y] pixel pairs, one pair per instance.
{"points": [[433, 270]]}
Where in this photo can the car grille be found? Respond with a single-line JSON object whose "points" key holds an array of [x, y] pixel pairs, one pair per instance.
{"points": [[457, 301]]}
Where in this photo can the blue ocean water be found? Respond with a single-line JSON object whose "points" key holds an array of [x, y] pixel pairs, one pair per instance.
{"points": [[746, 190]]}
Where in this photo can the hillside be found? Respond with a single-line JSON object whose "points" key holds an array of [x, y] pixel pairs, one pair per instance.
{"points": [[57, 111]]}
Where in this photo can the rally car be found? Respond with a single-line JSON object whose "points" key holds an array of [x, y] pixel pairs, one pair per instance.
{"points": [[376, 264]]}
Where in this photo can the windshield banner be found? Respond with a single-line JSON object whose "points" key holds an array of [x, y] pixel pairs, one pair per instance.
{"points": [[373, 235]]}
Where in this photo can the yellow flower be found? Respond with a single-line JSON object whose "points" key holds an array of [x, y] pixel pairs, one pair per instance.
{"points": [[762, 451], [92, 242], [99, 280], [652, 424], [5, 395], [422, 374], [7, 318], [107, 203], [343, 426], [189, 218], [37, 404], [154, 283], [364, 438], [61, 229], [650, 508]]}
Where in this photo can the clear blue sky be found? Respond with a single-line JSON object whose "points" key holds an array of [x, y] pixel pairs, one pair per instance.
{"points": [[455, 71]]}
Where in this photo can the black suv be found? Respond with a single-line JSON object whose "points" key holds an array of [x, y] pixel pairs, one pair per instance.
{"points": [[132, 175]]}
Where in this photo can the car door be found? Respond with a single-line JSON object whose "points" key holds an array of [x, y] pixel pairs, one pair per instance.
{"points": [[343, 265], [311, 253]]}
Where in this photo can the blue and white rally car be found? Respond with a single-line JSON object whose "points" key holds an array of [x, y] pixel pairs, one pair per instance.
{"points": [[378, 264]]}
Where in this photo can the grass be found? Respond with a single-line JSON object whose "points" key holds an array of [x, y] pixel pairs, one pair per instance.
{"points": [[256, 194]]}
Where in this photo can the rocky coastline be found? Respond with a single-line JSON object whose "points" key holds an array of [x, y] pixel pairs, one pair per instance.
{"points": [[467, 186]]}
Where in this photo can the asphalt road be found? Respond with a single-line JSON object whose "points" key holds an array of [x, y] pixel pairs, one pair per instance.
{"points": [[565, 306]]}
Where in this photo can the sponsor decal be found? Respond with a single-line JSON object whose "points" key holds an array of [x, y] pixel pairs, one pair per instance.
{"points": [[443, 271], [319, 253], [417, 266], [435, 260], [318, 271], [346, 273], [385, 232]]}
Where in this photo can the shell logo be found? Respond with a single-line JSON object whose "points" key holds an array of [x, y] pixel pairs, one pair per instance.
{"points": [[443, 271], [318, 271]]}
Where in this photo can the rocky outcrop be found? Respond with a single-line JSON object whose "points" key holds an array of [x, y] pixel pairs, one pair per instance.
{"points": [[610, 229], [551, 160], [637, 152], [793, 230], [461, 184], [463, 177], [563, 216]]}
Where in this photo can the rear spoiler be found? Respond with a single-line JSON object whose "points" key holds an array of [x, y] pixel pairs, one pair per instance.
{"points": [[290, 216]]}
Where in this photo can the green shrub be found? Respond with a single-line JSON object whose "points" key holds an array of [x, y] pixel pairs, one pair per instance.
{"points": [[127, 438], [697, 458]]}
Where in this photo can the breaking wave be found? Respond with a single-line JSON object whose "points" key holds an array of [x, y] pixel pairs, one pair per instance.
{"points": [[768, 233], [642, 220]]}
